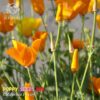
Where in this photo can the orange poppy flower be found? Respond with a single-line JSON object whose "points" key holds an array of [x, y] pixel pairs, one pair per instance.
{"points": [[84, 9], [42, 36], [75, 63], [96, 84], [98, 21], [78, 44], [38, 6], [29, 94], [69, 9], [7, 22], [27, 25], [23, 54]]}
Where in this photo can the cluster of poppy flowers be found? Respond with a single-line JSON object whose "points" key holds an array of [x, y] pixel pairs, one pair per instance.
{"points": [[26, 55], [22, 53], [68, 10]]}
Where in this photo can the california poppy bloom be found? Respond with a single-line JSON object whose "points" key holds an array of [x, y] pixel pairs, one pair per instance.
{"points": [[75, 62], [96, 84], [38, 6], [68, 10], [42, 36], [7, 22], [29, 95], [85, 7], [77, 44], [27, 25], [23, 54], [98, 21]]}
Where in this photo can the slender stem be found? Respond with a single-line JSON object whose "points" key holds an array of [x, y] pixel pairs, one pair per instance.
{"points": [[58, 36], [94, 23], [54, 57], [30, 76], [86, 68], [44, 24], [8, 78], [31, 81], [79, 88], [91, 78], [55, 74], [55, 65], [73, 84], [57, 39], [10, 83], [92, 41]]}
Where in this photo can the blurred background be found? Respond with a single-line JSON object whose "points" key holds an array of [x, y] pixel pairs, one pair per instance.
{"points": [[49, 17]]}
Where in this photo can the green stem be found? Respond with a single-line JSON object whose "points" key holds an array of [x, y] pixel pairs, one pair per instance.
{"points": [[86, 68], [54, 58], [30, 76], [73, 84], [10, 83], [79, 88], [92, 41], [55, 74], [94, 23], [31, 81], [44, 24], [91, 78], [55, 66], [57, 40], [58, 36], [8, 78]]}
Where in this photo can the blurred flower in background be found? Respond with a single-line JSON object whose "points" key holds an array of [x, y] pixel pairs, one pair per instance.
{"points": [[40, 35], [98, 21], [27, 25], [96, 84], [7, 22], [38, 6]]}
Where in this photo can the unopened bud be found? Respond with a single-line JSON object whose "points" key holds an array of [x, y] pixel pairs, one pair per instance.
{"points": [[52, 43], [71, 49]]}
